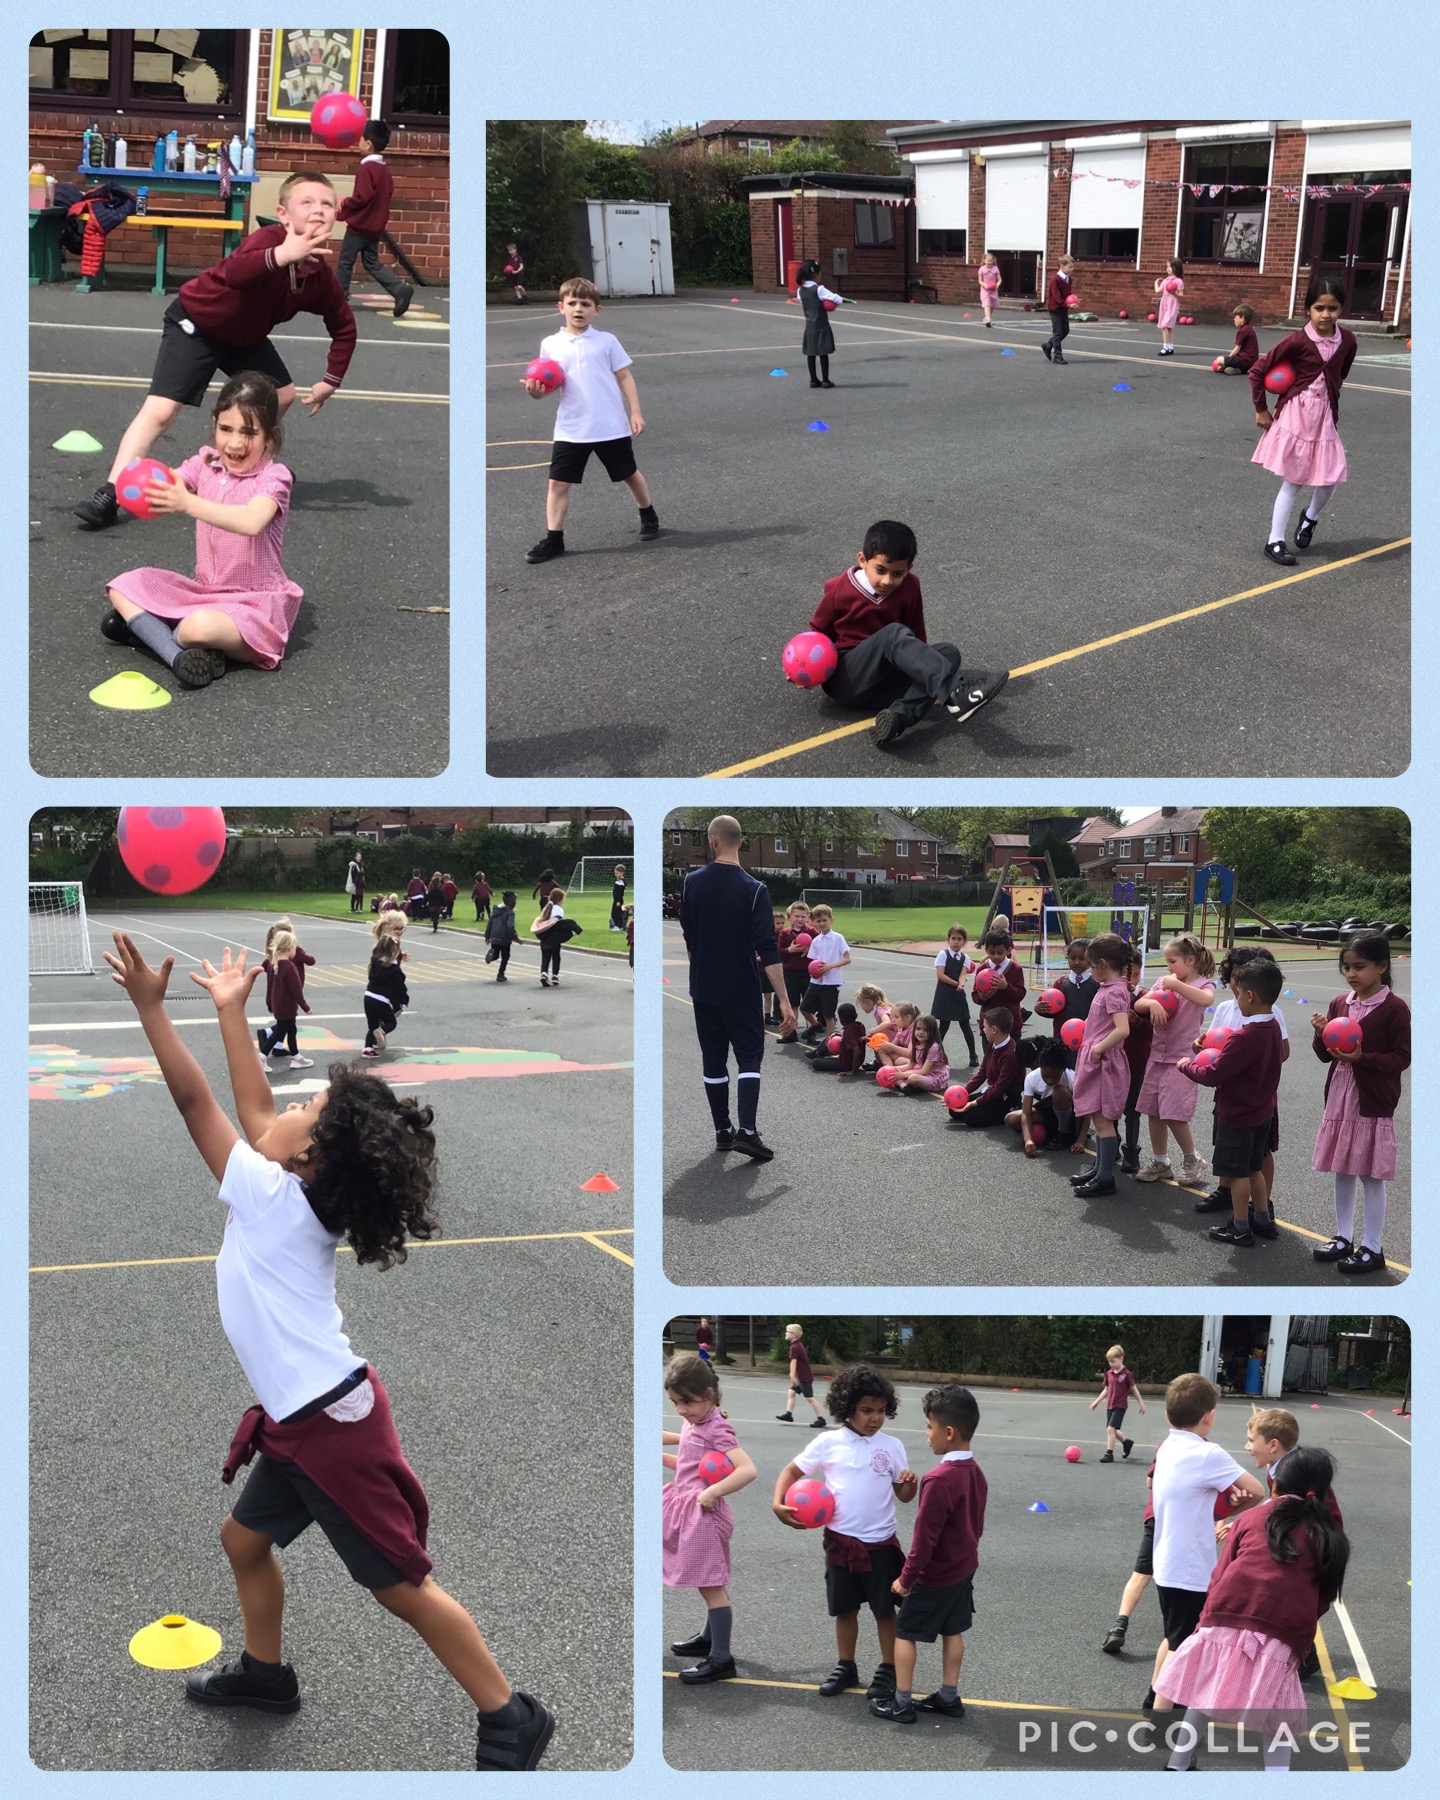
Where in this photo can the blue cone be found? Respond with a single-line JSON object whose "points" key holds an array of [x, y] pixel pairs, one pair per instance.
{"points": [[1304, 1002], [779, 371], [1121, 387], [1039, 1506], [819, 425], [1007, 352]]}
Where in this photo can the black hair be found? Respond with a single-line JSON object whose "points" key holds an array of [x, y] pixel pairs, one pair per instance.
{"points": [[890, 539], [1262, 979], [1303, 1477], [1242, 311], [953, 1405], [691, 1378], [1030, 1052], [1237, 957], [846, 1013], [859, 1382], [508, 897], [809, 270], [996, 938], [1000, 1017], [257, 399], [1371, 947], [1078, 943], [1053, 1055], [374, 1167], [545, 875], [1323, 284], [378, 133]]}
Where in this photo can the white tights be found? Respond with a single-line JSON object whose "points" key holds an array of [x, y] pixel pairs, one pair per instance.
{"points": [[1285, 504], [1374, 1190]]}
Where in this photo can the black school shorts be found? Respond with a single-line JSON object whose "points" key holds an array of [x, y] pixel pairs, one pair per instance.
{"points": [[822, 998], [1180, 1610], [928, 1613], [846, 1592], [279, 1502], [187, 359], [1240, 1150], [1115, 1417], [1145, 1555], [617, 455]]}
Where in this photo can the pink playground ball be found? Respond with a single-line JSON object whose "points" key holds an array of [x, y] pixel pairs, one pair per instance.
{"points": [[801, 941], [1050, 1004], [956, 1098], [1072, 1453], [338, 120], [1122, 314], [547, 372], [135, 477], [813, 1502], [1038, 1134], [833, 1045], [1280, 379], [829, 305], [988, 981], [1168, 999], [886, 1077], [1218, 364], [1215, 1038], [715, 1465], [1072, 1033], [1341, 1034], [1073, 301], [1150, 317], [1206, 1059], [171, 849], [817, 969], [809, 659]]}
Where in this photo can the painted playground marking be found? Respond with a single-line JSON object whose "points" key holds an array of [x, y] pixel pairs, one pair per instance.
{"points": [[57, 377], [521, 1237]]}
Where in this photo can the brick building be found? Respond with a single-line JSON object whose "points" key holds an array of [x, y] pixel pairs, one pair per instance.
{"points": [[854, 226], [1160, 846], [762, 137], [902, 851], [144, 84]]}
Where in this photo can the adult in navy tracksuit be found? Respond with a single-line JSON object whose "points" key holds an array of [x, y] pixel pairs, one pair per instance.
{"points": [[730, 936]]}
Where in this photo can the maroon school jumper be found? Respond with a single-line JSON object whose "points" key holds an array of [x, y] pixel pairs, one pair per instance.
{"points": [[847, 614], [949, 1521], [800, 1357], [360, 1466], [1247, 347], [366, 211], [1057, 294], [1250, 1591], [1384, 1054], [1014, 994], [241, 300], [1246, 1078], [1300, 352], [852, 1047]]}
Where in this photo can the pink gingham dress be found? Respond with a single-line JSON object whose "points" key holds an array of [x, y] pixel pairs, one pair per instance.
{"points": [[242, 577], [1303, 446], [1165, 1093], [695, 1544], [1102, 1084], [1169, 309], [1349, 1144], [989, 284], [1226, 1670]]}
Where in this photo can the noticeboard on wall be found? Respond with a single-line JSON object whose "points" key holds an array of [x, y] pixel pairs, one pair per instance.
{"points": [[306, 63]]}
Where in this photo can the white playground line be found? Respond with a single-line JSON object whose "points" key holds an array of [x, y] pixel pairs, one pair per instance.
{"points": [[276, 337]]}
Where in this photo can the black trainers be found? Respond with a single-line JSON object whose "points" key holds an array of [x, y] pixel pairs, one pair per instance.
{"points": [[843, 1675], [1335, 1251], [101, 510], [1045, 349], [237, 1684], [886, 1706], [886, 728], [195, 668], [1232, 1232], [1263, 1225], [114, 630], [545, 550], [1109, 1456], [1218, 1200], [502, 1743], [1115, 1638], [749, 1143], [973, 691], [709, 1670], [882, 1682], [724, 1140], [1279, 554], [403, 299], [695, 1646], [786, 1418], [932, 1703], [818, 1425], [649, 526]]}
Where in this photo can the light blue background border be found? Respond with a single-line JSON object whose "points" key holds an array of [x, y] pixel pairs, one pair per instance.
{"points": [[640, 59]]}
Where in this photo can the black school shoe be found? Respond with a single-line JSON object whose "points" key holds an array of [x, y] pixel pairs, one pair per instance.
{"points": [[1109, 1456], [709, 1670], [887, 726], [1094, 1190], [237, 1684], [196, 668], [748, 1143], [882, 1682], [502, 1745], [545, 550], [1085, 1177], [1230, 1232], [1126, 1446], [1362, 1262], [1045, 349], [1304, 531], [1279, 554], [932, 1703], [1217, 1200], [695, 1646], [114, 629], [1263, 1225], [887, 1707], [724, 1140], [101, 510], [843, 1675], [973, 691], [1115, 1637], [1335, 1251], [649, 527], [402, 300]]}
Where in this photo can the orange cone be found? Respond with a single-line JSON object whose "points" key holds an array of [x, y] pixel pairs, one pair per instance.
{"points": [[599, 1184]]}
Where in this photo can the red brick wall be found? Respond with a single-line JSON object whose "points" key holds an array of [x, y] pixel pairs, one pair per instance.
{"points": [[418, 160], [821, 227], [763, 248]]}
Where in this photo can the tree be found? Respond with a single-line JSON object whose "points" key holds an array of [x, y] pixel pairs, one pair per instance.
{"points": [[852, 142], [534, 172], [807, 829]]}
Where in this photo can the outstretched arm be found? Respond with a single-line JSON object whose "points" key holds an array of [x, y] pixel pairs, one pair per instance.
{"points": [[229, 987], [211, 1131]]}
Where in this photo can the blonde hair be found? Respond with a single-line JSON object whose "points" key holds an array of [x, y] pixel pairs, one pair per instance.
{"points": [[906, 1009], [388, 925], [1278, 1425], [1115, 1350], [298, 179], [867, 994], [822, 912], [799, 1330], [1190, 946], [281, 924], [282, 943], [580, 289]]}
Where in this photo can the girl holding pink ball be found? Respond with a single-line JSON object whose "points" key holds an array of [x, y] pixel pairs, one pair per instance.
{"points": [[1362, 1090], [1169, 287], [1102, 1074], [989, 285], [1176, 1009]]}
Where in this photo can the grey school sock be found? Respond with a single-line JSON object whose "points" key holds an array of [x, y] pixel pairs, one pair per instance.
{"points": [[949, 1694], [155, 635], [720, 1618], [1106, 1151], [903, 1698]]}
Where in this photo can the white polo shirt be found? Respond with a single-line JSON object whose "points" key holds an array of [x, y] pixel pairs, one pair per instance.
{"points": [[1038, 1088], [1189, 1472], [860, 1472], [1227, 1012], [592, 408], [829, 946]]}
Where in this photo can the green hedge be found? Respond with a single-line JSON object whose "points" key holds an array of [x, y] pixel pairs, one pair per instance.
{"points": [[1053, 1349]]}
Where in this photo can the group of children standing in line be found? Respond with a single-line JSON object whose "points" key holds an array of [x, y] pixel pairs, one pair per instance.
{"points": [[1139, 1057], [1239, 1627]]}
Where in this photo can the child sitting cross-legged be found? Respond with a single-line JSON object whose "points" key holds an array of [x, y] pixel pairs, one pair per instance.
{"points": [[1047, 1101], [997, 1088]]}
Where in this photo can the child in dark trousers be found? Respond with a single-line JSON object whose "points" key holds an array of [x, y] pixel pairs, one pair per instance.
{"points": [[997, 1088], [285, 997], [1137, 1055], [936, 1584], [874, 616], [1058, 294], [500, 933], [1246, 352], [386, 995], [849, 1058], [365, 213]]}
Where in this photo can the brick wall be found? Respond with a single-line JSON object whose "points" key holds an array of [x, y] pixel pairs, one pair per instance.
{"points": [[418, 160], [820, 227], [764, 251]]}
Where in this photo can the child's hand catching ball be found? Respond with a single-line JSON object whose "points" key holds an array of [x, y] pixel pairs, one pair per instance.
{"points": [[170, 496], [230, 984], [129, 970]]}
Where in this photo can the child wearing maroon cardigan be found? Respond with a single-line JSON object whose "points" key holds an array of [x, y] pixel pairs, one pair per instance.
{"points": [[996, 1088], [874, 616], [353, 1164], [1246, 352], [284, 996], [365, 214], [1362, 1091], [997, 945], [1058, 294]]}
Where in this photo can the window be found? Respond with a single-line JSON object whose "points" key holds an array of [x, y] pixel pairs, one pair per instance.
{"points": [[1109, 846], [924, 848], [758, 146], [1125, 846], [782, 846], [902, 847], [416, 89], [874, 225], [1224, 227], [677, 837], [1182, 843], [1105, 244], [872, 878], [943, 243], [190, 73], [1166, 847], [829, 845], [1151, 846]]}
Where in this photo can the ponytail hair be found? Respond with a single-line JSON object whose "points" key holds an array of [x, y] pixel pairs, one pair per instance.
{"points": [[1302, 1487], [1189, 945]]}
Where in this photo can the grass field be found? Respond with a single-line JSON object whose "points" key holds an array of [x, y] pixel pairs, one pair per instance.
{"points": [[591, 910]]}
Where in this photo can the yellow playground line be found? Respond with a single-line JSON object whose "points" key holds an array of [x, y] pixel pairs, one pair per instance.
{"points": [[525, 1237]]}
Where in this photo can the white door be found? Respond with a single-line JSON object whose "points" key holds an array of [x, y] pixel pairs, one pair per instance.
{"points": [[1210, 1329], [1275, 1346], [629, 257]]}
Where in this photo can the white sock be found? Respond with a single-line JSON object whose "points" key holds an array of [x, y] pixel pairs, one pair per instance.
{"points": [[1345, 1207], [1375, 1196], [1280, 516]]}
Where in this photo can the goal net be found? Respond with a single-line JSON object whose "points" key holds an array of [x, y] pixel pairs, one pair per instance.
{"points": [[1061, 923], [596, 874], [59, 937], [834, 898]]}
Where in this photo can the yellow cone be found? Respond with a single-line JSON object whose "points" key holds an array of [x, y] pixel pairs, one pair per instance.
{"points": [[174, 1642], [1351, 1688], [130, 691]]}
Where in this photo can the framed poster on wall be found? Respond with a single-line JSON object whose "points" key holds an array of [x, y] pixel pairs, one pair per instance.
{"points": [[307, 63]]}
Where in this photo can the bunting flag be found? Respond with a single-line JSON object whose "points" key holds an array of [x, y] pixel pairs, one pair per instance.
{"points": [[1214, 189]]}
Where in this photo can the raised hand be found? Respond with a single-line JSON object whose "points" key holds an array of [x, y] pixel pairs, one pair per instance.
{"points": [[129, 970], [230, 984]]}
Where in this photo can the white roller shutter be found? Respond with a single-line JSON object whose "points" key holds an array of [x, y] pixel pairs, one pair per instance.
{"points": [[1097, 202], [1339, 152], [1017, 194], [942, 196]]}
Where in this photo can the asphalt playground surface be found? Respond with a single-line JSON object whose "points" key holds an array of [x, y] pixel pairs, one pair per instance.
{"points": [[944, 1205], [135, 1391], [368, 534], [1051, 513], [1046, 1592]]}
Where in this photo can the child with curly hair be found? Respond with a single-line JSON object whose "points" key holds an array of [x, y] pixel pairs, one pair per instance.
{"points": [[865, 1469], [353, 1164]]}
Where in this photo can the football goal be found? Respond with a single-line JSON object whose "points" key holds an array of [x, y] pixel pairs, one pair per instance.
{"points": [[59, 936], [834, 898], [596, 874], [1061, 923]]}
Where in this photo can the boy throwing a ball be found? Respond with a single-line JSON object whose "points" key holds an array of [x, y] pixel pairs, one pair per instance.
{"points": [[599, 414], [222, 319]]}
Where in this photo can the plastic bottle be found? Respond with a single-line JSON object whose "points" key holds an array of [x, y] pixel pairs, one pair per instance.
{"points": [[39, 193], [94, 146], [112, 143], [247, 155], [172, 149], [212, 160], [190, 161], [236, 151], [157, 156], [122, 153], [142, 200]]}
